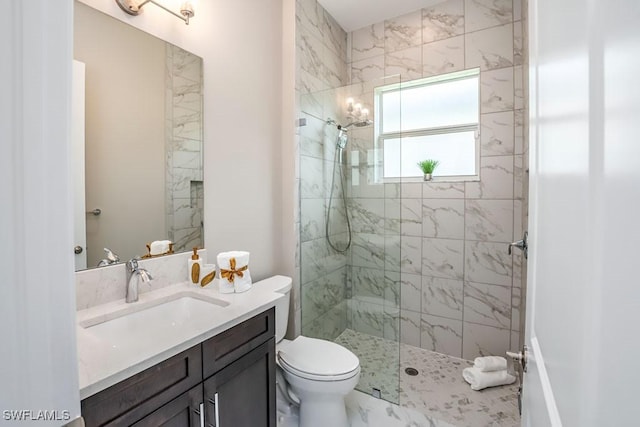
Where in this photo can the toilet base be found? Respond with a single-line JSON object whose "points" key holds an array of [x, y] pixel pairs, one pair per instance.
{"points": [[287, 412], [287, 415], [323, 413]]}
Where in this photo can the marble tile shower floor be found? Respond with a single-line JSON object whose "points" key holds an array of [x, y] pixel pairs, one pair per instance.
{"points": [[438, 391], [379, 359]]}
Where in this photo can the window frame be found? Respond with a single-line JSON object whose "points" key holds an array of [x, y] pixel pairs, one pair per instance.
{"points": [[380, 136]]}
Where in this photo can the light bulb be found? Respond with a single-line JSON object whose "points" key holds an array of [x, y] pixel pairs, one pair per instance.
{"points": [[365, 113], [349, 105]]}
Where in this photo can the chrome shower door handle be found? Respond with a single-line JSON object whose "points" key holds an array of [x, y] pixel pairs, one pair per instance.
{"points": [[521, 244]]}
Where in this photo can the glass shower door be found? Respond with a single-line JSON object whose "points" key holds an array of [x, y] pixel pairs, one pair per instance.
{"points": [[350, 234]]}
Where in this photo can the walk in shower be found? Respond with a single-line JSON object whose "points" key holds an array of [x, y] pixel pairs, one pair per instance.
{"points": [[403, 272]]}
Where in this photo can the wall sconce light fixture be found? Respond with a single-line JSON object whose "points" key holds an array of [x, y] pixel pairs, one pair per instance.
{"points": [[356, 113], [134, 7]]}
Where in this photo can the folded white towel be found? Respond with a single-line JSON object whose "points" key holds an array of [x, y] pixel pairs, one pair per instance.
{"points": [[159, 247], [490, 363], [234, 269], [480, 380]]}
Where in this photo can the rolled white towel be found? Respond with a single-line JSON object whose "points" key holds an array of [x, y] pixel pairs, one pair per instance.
{"points": [[234, 269], [490, 363], [479, 380], [244, 283], [159, 247], [224, 286]]}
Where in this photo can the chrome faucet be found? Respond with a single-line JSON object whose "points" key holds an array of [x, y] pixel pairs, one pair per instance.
{"points": [[111, 258], [134, 275]]}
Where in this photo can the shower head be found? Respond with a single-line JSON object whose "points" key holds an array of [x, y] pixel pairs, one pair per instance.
{"points": [[342, 138], [358, 124]]}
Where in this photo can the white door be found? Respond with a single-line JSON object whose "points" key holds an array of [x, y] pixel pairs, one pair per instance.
{"points": [[583, 296], [38, 359], [77, 154]]}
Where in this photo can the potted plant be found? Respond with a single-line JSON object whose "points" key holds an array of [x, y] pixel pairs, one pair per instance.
{"points": [[428, 166]]}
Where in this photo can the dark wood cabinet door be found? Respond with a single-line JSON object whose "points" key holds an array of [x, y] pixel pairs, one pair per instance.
{"points": [[244, 391], [183, 411]]}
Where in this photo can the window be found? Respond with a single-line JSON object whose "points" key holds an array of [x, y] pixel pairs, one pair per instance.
{"points": [[433, 118]]}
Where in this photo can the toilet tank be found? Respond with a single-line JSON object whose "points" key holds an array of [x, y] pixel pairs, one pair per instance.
{"points": [[282, 314], [282, 285]]}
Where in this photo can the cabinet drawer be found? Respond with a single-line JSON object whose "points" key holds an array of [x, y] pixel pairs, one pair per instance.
{"points": [[138, 396], [228, 346]]}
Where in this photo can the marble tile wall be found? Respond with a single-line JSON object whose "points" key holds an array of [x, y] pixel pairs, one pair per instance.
{"points": [[184, 145], [435, 254], [319, 291]]}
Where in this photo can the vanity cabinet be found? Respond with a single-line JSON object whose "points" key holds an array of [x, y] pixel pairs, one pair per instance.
{"points": [[231, 377]]}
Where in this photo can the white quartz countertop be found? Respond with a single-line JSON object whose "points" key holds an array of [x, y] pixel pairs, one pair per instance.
{"points": [[102, 364]]}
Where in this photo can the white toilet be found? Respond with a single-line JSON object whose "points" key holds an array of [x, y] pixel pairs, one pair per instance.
{"points": [[317, 374]]}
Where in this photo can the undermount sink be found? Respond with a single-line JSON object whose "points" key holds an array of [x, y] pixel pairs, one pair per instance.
{"points": [[138, 322]]}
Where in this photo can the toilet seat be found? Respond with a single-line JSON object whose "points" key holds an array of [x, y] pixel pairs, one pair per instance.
{"points": [[318, 360]]}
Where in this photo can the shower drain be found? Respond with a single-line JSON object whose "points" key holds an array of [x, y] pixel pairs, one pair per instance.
{"points": [[411, 371]]}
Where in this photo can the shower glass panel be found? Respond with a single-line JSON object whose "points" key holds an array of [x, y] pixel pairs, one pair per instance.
{"points": [[350, 225]]}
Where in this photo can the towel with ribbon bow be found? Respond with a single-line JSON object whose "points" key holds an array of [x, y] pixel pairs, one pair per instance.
{"points": [[234, 271], [231, 273]]}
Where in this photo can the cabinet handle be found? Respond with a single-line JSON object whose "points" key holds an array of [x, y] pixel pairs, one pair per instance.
{"points": [[215, 398], [202, 415]]}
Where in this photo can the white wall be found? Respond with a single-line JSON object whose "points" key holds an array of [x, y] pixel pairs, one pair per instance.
{"points": [[241, 45], [290, 202]]}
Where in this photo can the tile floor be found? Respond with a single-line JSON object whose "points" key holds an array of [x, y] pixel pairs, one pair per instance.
{"points": [[364, 410], [437, 396]]}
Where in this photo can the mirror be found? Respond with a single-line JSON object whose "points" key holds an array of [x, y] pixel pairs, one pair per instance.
{"points": [[143, 140]]}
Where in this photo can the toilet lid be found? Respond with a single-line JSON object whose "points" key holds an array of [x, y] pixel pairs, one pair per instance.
{"points": [[318, 358]]}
